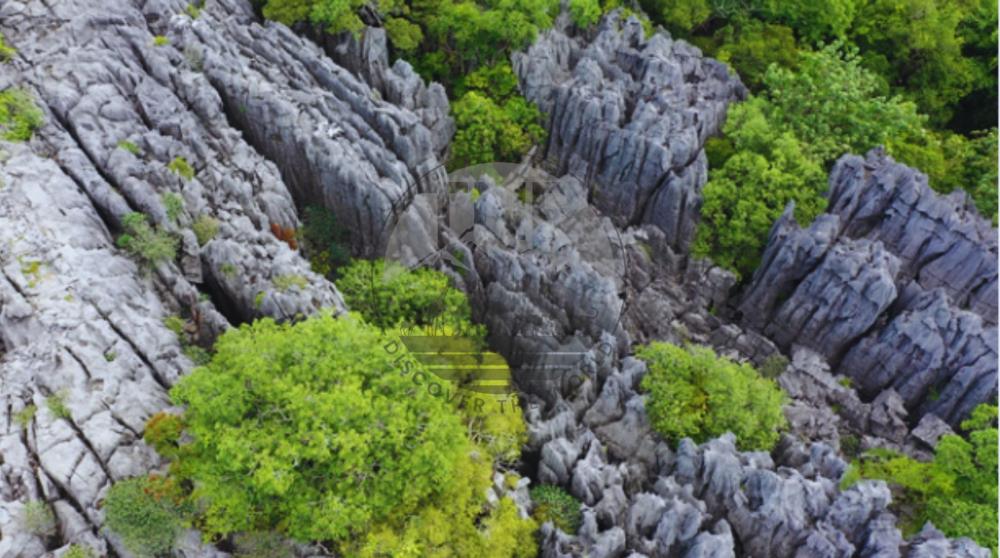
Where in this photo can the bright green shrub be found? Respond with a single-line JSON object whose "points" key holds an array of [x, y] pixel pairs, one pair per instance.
{"points": [[312, 429], [56, 403], [160, 40], [6, 51], [19, 117], [694, 393], [585, 12], [181, 168], [390, 296], [144, 512], [956, 491], [205, 228], [744, 197], [552, 503], [163, 432], [147, 244]]}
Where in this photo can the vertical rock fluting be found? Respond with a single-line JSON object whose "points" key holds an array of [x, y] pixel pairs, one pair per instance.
{"points": [[131, 91], [896, 285], [629, 118]]}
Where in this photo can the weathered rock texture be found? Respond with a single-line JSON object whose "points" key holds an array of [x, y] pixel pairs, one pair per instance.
{"points": [[267, 122], [895, 286], [629, 118]]}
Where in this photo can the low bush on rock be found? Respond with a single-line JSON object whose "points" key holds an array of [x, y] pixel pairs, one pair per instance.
{"points": [[956, 491], [552, 503], [695, 394], [144, 242], [19, 117], [146, 512]]}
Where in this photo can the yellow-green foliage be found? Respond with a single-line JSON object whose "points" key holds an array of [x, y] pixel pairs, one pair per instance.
{"points": [[288, 282], [205, 228], [181, 168], [282, 438], [694, 393], [956, 491], [24, 417], [160, 40], [19, 117], [6, 51], [145, 513], [37, 518]]}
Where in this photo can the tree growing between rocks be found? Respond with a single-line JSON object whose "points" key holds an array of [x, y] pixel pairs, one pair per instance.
{"points": [[692, 393]]}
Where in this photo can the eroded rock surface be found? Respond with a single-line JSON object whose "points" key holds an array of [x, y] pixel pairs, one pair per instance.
{"points": [[629, 118], [266, 122], [895, 286]]}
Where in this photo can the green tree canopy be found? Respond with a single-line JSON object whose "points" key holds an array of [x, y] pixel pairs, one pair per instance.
{"points": [[315, 430], [694, 393]]}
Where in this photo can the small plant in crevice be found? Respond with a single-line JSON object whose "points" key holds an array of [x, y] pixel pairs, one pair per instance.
{"points": [[228, 270], [193, 10], [285, 283], [147, 513], [552, 503], [160, 40], [845, 381], [19, 116], [37, 518], [79, 551], [56, 404], [173, 205], [258, 300], [205, 227], [24, 417], [181, 168], [7, 52], [130, 147], [144, 242], [325, 241]]}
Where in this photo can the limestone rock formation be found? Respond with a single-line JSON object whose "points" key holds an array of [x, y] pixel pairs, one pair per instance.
{"points": [[239, 121], [629, 118], [895, 286]]}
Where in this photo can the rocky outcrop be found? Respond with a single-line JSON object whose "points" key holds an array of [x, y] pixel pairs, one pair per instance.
{"points": [[240, 122], [941, 241], [877, 288], [629, 118]]}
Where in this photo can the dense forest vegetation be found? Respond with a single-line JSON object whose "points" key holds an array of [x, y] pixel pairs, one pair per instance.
{"points": [[313, 432]]}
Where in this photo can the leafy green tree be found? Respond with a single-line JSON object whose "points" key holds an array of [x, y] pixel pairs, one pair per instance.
{"points": [[956, 491], [834, 106], [916, 44], [694, 393], [744, 197], [751, 46], [814, 21], [314, 430], [391, 296], [494, 122]]}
